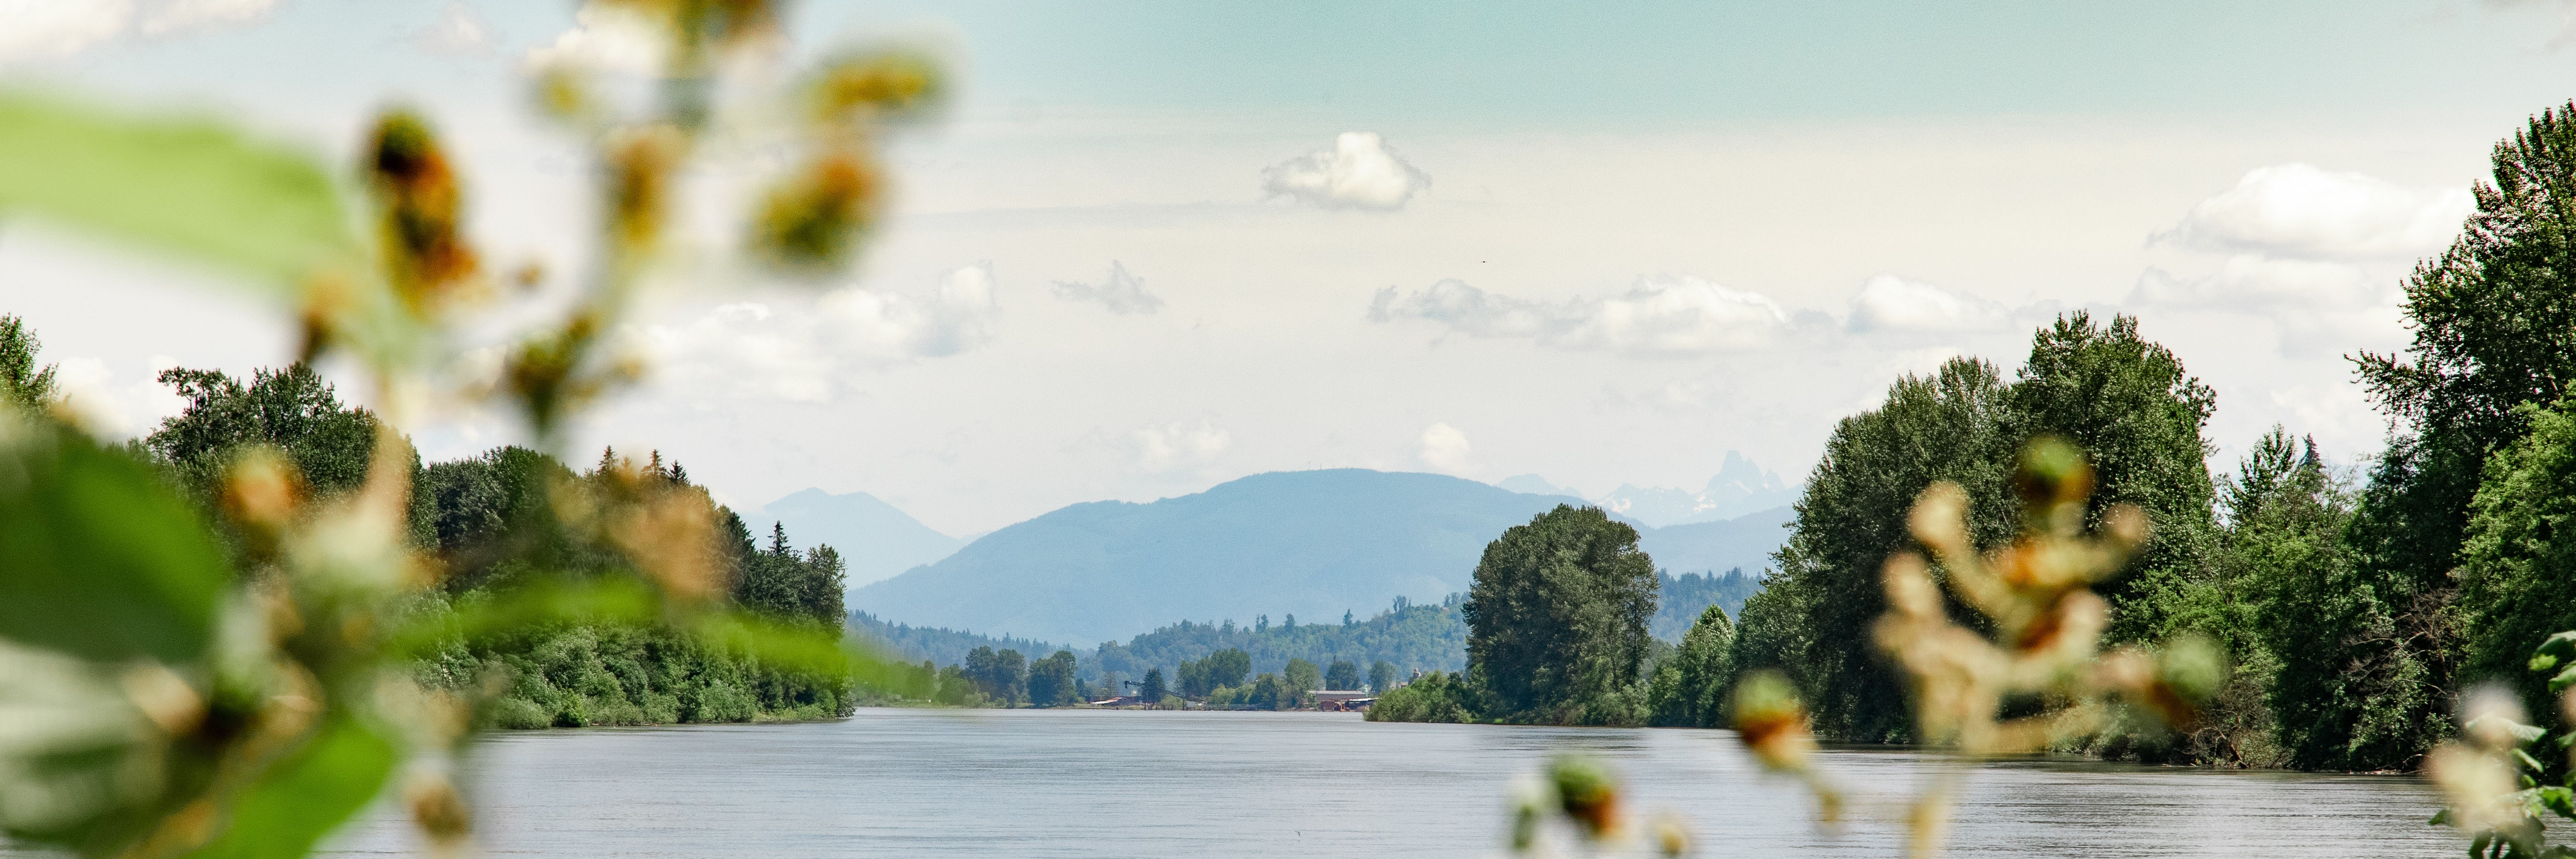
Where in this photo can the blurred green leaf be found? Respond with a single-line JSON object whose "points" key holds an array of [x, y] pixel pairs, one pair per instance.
{"points": [[105, 561], [793, 648], [2560, 800], [2563, 680], [607, 600], [192, 187], [305, 797]]}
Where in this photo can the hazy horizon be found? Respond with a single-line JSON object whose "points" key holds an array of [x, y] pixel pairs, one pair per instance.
{"points": [[1151, 250]]}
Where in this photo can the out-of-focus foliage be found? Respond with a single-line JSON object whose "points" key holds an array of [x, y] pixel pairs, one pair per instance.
{"points": [[2032, 637], [2489, 777], [230, 657], [1578, 805]]}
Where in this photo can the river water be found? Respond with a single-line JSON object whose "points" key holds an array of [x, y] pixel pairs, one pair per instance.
{"points": [[1134, 783]]}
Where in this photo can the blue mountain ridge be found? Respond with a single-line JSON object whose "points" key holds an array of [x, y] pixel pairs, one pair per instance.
{"points": [[1310, 543]]}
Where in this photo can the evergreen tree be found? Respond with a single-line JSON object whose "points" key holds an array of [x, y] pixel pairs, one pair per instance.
{"points": [[1689, 688], [1152, 689]]}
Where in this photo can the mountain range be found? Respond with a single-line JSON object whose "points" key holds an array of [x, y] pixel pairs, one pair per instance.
{"points": [[1312, 543]]}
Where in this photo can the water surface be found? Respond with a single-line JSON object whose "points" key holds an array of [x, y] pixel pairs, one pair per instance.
{"points": [[1133, 783]]}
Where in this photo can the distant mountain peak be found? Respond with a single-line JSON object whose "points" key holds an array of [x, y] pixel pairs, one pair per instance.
{"points": [[1739, 487], [1532, 484], [876, 539]]}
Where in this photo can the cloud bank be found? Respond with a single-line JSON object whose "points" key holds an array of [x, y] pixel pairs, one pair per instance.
{"points": [[797, 353], [52, 29], [1359, 172], [1445, 449], [1891, 304], [1662, 316], [2301, 211]]}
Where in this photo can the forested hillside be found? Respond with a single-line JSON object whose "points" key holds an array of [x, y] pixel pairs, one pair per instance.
{"points": [[941, 645]]}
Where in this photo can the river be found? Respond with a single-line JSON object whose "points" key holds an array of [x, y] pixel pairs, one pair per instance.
{"points": [[1131, 783]]}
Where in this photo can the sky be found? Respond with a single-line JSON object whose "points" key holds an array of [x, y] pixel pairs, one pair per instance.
{"points": [[1149, 246]]}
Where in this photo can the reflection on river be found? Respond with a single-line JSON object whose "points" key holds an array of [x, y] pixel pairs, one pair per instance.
{"points": [[1076, 782]]}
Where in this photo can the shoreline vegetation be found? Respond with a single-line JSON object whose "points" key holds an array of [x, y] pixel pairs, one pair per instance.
{"points": [[2352, 611]]}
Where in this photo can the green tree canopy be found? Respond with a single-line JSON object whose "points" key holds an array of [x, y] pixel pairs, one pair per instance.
{"points": [[2128, 403], [1689, 687], [1557, 617], [292, 409], [1343, 675], [1051, 681], [1813, 618], [22, 381]]}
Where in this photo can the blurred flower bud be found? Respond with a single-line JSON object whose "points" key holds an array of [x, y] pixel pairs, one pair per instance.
{"points": [[640, 162], [1939, 518], [419, 212], [1671, 837], [874, 85], [2476, 784], [813, 221], [2053, 480], [1771, 722], [2492, 717], [438, 808], [164, 697], [1588, 793]]}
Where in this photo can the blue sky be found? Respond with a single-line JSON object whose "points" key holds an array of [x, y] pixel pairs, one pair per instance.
{"points": [[1154, 246]]}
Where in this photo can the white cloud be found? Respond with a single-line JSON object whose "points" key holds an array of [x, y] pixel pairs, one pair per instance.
{"points": [[114, 408], [1179, 445], [182, 15], [458, 30], [1121, 292], [1359, 172], [1888, 303], [2297, 210], [1663, 316], [606, 39], [1445, 449], [796, 353], [48, 29], [2252, 281], [59, 28]]}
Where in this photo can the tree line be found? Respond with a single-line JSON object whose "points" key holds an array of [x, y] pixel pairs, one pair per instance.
{"points": [[493, 525], [2354, 605]]}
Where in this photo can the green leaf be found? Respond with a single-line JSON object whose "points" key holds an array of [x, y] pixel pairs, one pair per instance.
{"points": [[2560, 800], [512, 610], [102, 559], [2527, 761], [793, 648], [2440, 818], [192, 187], [304, 797], [2563, 680]]}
